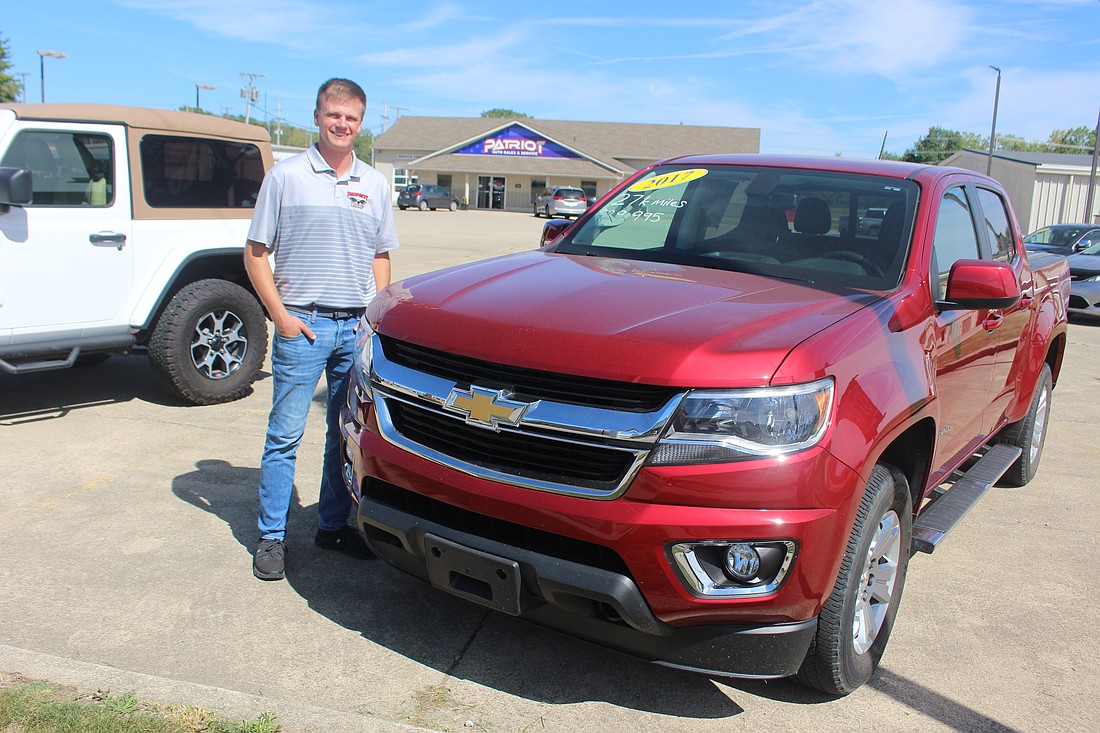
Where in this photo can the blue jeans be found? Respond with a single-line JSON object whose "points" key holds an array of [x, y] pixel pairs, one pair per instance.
{"points": [[296, 367]]}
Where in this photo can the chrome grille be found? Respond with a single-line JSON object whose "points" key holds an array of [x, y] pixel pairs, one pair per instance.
{"points": [[528, 384]]}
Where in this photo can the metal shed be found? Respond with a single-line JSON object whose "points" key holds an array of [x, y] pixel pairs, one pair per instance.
{"points": [[1045, 188]]}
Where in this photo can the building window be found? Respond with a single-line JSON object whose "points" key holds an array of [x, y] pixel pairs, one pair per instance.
{"points": [[444, 179], [589, 188]]}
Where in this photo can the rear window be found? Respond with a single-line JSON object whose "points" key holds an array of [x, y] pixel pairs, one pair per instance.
{"points": [[570, 193], [412, 188], [187, 172]]}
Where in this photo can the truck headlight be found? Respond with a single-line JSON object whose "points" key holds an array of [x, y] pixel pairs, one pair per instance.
{"points": [[364, 349], [711, 426]]}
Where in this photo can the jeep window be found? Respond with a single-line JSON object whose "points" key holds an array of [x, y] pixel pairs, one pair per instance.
{"points": [[67, 168], [185, 172], [778, 222]]}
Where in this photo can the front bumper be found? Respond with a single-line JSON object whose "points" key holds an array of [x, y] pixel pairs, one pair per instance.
{"points": [[1084, 298], [592, 603]]}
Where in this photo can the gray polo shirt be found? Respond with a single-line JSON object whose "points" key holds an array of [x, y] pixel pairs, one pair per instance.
{"points": [[324, 231]]}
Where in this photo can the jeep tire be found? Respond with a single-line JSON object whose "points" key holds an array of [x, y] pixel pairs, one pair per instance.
{"points": [[209, 343]]}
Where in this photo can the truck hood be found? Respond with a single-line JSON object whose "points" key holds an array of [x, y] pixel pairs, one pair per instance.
{"points": [[625, 320]]}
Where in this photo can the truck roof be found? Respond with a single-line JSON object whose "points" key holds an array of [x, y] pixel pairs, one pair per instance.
{"points": [[892, 168], [141, 117]]}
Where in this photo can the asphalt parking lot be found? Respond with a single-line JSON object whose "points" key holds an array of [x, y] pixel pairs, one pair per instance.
{"points": [[127, 523]]}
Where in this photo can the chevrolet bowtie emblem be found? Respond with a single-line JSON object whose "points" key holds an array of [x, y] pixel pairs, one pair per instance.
{"points": [[487, 408]]}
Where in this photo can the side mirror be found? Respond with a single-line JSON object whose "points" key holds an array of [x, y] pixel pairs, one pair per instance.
{"points": [[980, 284], [15, 187], [553, 229]]}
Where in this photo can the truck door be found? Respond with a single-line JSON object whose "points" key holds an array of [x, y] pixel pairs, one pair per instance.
{"points": [[963, 351], [66, 257], [1008, 325]]}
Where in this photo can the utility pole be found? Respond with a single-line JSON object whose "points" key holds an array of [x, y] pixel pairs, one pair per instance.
{"points": [[279, 122], [386, 114], [251, 93], [882, 148], [23, 87]]}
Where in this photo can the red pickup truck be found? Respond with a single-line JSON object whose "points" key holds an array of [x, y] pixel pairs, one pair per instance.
{"points": [[708, 422]]}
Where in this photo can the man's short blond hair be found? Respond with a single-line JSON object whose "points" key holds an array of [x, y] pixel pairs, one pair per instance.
{"points": [[341, 89]]}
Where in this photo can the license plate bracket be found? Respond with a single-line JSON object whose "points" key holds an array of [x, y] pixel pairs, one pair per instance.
{"points": [[477, 576]]}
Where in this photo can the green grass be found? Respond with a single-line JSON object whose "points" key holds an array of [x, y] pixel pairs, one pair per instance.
{"points": [[41, 707]]}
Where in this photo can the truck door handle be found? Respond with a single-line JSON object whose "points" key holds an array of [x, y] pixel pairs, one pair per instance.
{"points": [[108, 239], [993, 321]]}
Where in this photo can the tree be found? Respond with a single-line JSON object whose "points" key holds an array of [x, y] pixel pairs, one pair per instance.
{"points": [[1074, 140], [940, 143], [10, 89], [505, 113]]}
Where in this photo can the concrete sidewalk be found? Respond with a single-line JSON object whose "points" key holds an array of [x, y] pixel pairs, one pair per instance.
{"points": [[127, 524]]}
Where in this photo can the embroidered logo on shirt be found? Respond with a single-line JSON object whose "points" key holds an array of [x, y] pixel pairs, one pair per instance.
{"points": [[358, 200]]}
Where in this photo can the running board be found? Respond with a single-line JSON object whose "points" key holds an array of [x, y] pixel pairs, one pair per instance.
{"points": [[936, 521]]}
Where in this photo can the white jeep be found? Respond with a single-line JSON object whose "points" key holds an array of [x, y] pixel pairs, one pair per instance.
{"points": [[123, 227]]}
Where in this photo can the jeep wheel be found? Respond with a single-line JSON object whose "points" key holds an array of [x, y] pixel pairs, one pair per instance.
{"points": [[855, 622], [209, 343], [1029, 434]]}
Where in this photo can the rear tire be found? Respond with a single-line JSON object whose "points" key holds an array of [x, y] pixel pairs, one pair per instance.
{"points": [[1029, 434], [209, 343], [423, 206], [855, 622]]}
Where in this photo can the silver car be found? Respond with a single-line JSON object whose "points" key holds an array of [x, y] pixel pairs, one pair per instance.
{"points": [[1084, 288], [562, 201]]}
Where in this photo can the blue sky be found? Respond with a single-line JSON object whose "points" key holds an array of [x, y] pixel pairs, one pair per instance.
{"points": [[817, 76]]}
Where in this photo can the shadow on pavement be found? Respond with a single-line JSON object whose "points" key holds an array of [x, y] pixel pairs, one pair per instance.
{"points": [[52, 394], [453, 636]]}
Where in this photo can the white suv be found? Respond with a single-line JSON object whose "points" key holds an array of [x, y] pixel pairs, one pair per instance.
{"points": [[124, 227]]}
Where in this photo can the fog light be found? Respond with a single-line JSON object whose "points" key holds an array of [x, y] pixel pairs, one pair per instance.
{"points": [[742, 562], [733, 568]]}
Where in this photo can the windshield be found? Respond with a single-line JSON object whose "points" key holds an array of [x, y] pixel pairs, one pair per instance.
{"points": [[798, 224], [1049, 235]]}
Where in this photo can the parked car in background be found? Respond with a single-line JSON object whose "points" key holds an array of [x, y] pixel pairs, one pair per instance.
{"points": [[563, 201], [871, 222], [1063, 239], [1084, 289], [425, 196]]}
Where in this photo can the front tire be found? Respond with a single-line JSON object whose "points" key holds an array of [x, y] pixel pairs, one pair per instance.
{"points": [[855, 622], [1029, 434], [453, 206], [209, 343]]}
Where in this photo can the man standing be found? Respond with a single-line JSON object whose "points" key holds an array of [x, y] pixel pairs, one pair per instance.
{"points": [[326, 219]]}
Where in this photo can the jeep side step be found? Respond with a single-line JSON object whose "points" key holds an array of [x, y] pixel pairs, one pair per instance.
{"points": [[936, 521]]}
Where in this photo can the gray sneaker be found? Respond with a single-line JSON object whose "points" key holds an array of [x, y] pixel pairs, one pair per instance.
{"points": [[270, 560]]}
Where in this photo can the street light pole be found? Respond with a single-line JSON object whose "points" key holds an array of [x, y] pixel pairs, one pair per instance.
{"points": [[1089, 218], [993, 130], [198, 106], [42, 54]]}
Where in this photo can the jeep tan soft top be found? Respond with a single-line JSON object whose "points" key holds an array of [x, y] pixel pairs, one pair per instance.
{"points": [[159, 120], [141, 121]]}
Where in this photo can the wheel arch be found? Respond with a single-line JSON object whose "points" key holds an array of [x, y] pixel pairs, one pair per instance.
{"points": [[222, 264], [911, 454]]}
